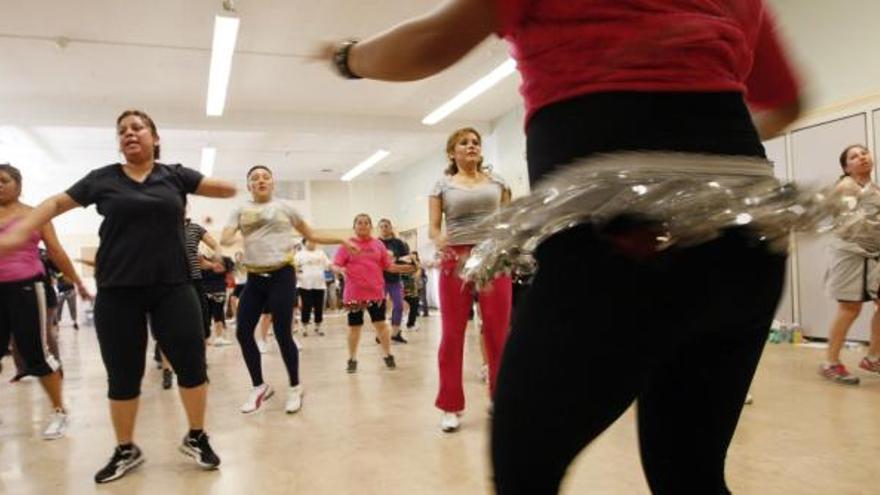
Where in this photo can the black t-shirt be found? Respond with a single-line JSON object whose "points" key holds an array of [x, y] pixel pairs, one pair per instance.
{"points": [[142, 239], [399, 249]]}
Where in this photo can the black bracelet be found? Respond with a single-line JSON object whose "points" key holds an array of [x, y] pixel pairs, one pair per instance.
{"points": [[340, 60]]}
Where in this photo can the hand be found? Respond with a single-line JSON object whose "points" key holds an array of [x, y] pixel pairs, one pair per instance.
{"points": [[323, 52], [440, 242], [12, 239], [351, 247], [84, 292]]}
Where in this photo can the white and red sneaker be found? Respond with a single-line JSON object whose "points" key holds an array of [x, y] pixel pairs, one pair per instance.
{"points": [[838, 373], [257, 397]]}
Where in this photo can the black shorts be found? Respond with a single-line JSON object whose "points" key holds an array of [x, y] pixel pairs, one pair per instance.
{"points": [[236, 292], [376, 310]]}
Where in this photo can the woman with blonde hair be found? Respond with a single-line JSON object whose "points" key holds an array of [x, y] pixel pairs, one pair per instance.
{"points": [[465, 195]]}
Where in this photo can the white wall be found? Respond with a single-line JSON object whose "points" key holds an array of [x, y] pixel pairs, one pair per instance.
{"points": [[334, 204]]}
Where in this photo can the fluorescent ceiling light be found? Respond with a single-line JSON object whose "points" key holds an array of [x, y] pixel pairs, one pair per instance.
{"points": [[225, 34], [208, 157], [471, 92], [366, 164]]}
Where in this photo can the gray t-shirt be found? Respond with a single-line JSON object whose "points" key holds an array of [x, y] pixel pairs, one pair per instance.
{"points": [[268, 232], [464, 206]]}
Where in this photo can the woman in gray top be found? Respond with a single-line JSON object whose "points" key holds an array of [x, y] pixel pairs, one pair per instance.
{"points": [[853, 274], [465, 195]]}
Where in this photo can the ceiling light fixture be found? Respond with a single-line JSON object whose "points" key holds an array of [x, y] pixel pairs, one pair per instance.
{"points": [[222, 49], [209, 155], [365, 165], [471, 92]]}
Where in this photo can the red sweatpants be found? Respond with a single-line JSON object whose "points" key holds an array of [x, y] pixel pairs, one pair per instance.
{"points": [[456, 299]]}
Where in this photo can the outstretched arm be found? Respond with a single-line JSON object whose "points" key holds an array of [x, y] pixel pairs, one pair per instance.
{"points": [[35, 220], [424, 46]]}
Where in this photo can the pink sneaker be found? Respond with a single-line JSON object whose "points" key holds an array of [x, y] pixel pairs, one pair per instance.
{"points": [[869, 364]]}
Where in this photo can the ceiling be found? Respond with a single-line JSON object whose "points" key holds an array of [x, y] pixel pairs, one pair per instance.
{"points": [[69, 70], [69, 67]]}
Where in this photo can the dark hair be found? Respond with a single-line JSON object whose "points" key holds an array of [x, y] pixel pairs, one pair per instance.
{"points": [[257, 167], [12, 171], [452, 169], [149, 121], [843, 155], [361, 215]]}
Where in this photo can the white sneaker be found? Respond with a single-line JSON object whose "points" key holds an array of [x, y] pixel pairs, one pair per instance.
{"points": [[294, 399], [318, 331], [263, 346], [222, 341], [257, 397], [57, 426], [749, 399], [449, 422]]}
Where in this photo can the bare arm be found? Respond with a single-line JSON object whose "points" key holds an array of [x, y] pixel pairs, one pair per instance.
{"points": [[35, 220], [435, 219], [58, 256], [209, 240], [401, 268], [424, 46], [771, 123], [216, 188], [505, 197], [227, 238], [309, 235]]}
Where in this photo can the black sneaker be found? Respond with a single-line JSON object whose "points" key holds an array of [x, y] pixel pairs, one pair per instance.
{"points": [[124, 460], [167, 379], [399, 339], [199, 449], [352, 366], [75, 326], [389, 362]]}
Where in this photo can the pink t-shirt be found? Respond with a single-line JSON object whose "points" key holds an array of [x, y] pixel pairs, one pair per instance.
{"points": [[568, 48], [23, 263], [363, 270]]}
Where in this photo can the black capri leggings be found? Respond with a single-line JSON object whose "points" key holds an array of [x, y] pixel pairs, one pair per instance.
{"points": [[23, 315], [312, 299], [273, 291], [683, 331], [217, 306], [121, 325]]}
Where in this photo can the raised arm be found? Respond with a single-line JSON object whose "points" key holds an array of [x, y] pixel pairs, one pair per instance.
{"points": [[58, 256], [216, 188], [35, 220], [426, 45]]}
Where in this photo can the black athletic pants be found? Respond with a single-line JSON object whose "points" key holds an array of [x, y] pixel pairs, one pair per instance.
{"points": [[275, 292], [121, 325], [681, 333], [312, 300], [23, 315]]}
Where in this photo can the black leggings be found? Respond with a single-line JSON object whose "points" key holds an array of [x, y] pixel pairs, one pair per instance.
{"points": [[312, 299], [413, 314], [121, 326], [217, 307], [681, 333], [24, 316], [274, 291], [205, 307]]}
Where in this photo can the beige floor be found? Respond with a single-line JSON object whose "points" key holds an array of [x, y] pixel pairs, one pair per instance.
{"points": [[376, 432]]}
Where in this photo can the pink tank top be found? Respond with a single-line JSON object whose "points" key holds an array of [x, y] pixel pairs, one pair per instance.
{"points": [[23, 263]]}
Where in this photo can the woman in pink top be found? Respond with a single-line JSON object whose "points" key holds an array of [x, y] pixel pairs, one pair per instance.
{"points": [[605, 76], [365, 287], [22, 298]]}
